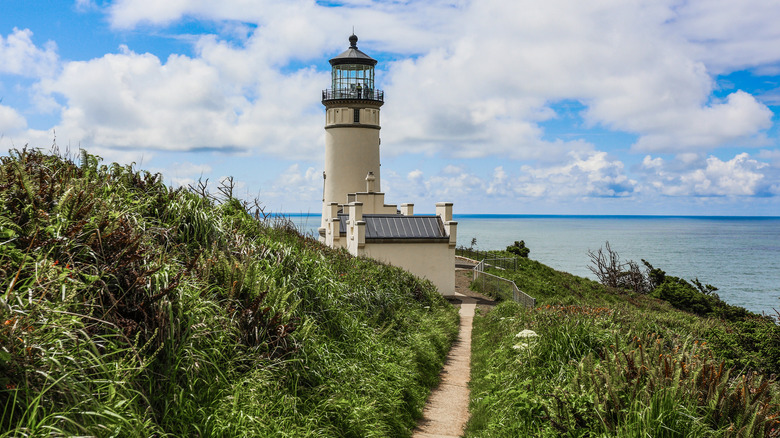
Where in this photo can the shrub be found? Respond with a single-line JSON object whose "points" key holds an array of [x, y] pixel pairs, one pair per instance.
{"points": [[519, 248], [682, 295]]}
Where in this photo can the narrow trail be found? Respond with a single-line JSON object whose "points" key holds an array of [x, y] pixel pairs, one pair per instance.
{"points": [[447, 410]]}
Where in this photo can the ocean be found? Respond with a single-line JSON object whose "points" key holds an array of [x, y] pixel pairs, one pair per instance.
{"points": [[738, 255]]}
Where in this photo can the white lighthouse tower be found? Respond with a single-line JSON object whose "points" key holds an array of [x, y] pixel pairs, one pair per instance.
{"points": [[354, 213], [351, 125]]}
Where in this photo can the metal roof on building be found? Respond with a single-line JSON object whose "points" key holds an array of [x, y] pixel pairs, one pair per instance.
{"points": [[353, 55], [397, 226]]}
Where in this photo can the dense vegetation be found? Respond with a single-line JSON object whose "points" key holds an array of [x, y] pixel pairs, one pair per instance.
{"points": [[132, 309], [592, 360]]}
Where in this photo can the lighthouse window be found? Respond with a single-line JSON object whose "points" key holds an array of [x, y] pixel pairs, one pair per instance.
{"points": [[356, 115], [346, 78]]}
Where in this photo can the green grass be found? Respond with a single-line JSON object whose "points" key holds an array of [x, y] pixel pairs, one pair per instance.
{"points": [[615, 363], [131, 309]]}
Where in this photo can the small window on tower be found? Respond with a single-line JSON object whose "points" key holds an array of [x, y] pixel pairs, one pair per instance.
{"points": [[356, 115]]}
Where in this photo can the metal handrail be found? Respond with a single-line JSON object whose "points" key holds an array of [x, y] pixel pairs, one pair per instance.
{"points": [[349, 93], [517, 295]]}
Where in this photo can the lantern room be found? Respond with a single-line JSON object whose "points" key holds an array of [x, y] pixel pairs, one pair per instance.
{"points": [[352, 76]]}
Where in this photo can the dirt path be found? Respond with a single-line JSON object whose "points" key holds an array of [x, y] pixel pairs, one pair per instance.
{"points": [[447, 410]]}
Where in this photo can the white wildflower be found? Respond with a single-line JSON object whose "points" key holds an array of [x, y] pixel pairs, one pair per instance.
{"points": [[526, 334]]}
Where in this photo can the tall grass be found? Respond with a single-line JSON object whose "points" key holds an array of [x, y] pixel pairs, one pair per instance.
{"points": [[616, 363], [131, 309], [588, 373]]}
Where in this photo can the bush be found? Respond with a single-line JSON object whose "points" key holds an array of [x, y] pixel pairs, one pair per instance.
{"points": [[519, 248], [682, 295]]}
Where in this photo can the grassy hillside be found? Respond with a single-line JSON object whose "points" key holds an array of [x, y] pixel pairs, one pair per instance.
{"points": [[131, 309], [596, 361]]}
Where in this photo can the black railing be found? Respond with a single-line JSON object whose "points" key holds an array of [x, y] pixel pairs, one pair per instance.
{"points": [[348, 93]]}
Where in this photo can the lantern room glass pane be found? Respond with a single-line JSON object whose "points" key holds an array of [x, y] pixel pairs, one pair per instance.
{"points": [[347, 77]]}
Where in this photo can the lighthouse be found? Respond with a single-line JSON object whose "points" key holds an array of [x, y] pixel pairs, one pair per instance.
{"points": [[354, 213], [351, 125]]}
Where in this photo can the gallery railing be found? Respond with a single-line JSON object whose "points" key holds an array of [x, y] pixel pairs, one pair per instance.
{"points": [[353, 93]]}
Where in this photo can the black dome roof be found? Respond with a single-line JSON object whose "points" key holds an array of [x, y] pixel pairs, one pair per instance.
{"points": [[353, 55]]}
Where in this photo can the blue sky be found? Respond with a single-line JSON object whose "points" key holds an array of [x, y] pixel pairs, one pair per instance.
{"points": [[522, 107]]}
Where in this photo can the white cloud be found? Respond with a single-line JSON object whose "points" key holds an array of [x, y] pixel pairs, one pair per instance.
{"points": [[423, 190], [452, 170], [138, 158], [485, 78], [190, 168], [731, 35], [11, 122], [584, 175], [130, 100], [86, 5], [581, 176], [295, 184], [486, 91], [448, 186], [500, 184], [741, 118], [20, 56], [186, 173], [771, 97], [740, 176], [771, 155], [409, 27]]}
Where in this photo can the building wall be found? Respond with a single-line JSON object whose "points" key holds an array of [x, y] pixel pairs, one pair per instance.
{"points": [[434, 261], [374, 203]]}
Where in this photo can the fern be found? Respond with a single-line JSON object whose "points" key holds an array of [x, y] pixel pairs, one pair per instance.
{"points": [[8, 228]]}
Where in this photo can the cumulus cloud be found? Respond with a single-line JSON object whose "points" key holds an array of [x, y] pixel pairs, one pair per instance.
{"points": [[131, 100], [295, 183], [20, 56], [584, 175], [773, 156], [739, 176], [500, 184], [770, 97], [740, 118], [730, 35], [423, 189], [448, 186], [11, 122], [411, 27], [624, 61], [186, 173], [481, 78]]}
